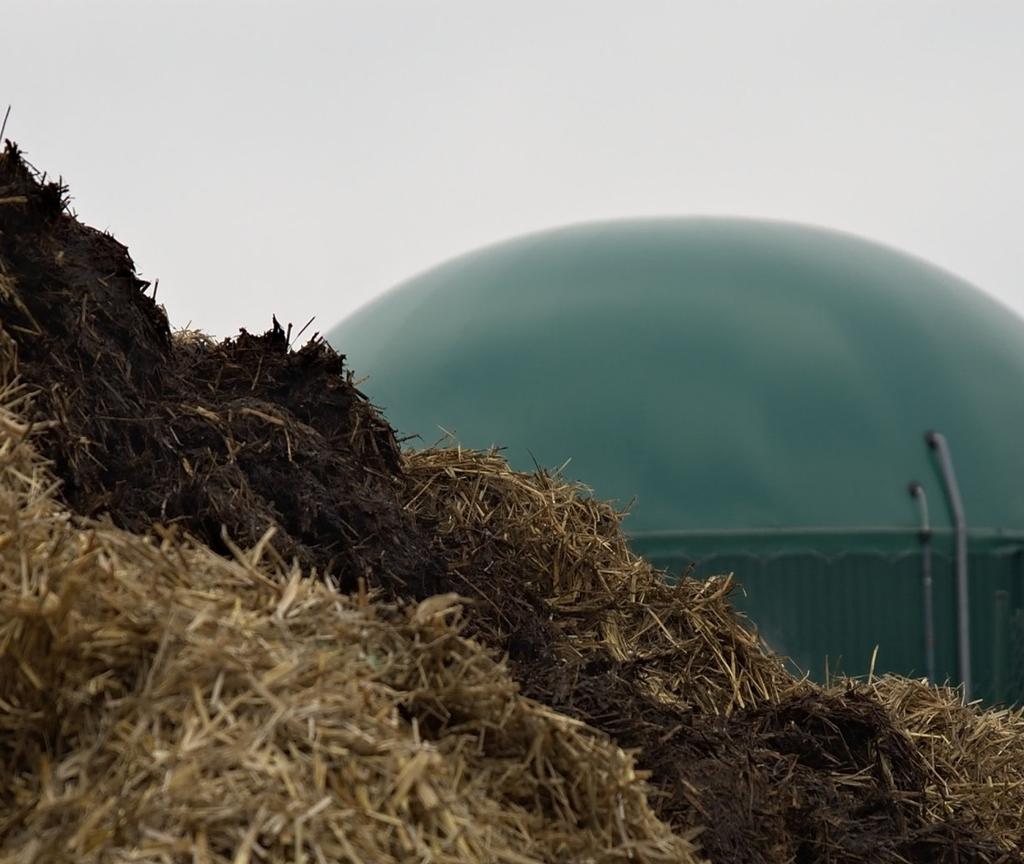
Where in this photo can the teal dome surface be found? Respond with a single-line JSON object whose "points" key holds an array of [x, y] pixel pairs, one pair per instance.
{"points": [[730, 375]]}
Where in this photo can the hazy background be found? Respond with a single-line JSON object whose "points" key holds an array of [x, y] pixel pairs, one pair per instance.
{"points": [[300, 158]]}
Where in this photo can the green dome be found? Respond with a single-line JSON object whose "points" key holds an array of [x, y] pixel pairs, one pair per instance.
{"points": [[730, 375], [762, 390]]}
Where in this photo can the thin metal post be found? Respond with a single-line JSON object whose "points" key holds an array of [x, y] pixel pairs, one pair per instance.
{"points": [[937, 441], [925, 535], [1000, 645]]}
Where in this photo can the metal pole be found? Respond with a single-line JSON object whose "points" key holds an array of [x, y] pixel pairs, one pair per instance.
{"points": [[937, 441], [1000, 645], [925, 535]]}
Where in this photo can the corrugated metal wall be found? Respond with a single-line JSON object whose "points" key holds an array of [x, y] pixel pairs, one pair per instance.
{"points": [[830, 612]]}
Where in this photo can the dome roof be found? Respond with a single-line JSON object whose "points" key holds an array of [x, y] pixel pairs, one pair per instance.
{"points": [[731, 375]]}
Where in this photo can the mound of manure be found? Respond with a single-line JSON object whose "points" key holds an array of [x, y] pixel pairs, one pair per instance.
{"points": [[238, 623], [773, 768], [159, 702], [212, 438]]}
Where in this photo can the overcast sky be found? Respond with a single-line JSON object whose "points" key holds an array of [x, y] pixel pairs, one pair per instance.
{"points": [[300, 158]]}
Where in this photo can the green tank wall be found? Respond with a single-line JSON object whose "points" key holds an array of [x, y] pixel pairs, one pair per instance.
{"points": [[761, 389], [830, 612]]}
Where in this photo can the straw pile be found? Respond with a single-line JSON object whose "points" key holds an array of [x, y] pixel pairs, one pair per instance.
{"points": [[975, 758], [774, 768], [161, 703], [562, 587], [288, 641]]}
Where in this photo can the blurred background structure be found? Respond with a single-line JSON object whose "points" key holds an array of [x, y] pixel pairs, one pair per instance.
{"points": [[835, 421]]}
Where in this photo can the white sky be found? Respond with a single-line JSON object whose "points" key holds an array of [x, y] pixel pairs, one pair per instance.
{"points": [[299, 158]]}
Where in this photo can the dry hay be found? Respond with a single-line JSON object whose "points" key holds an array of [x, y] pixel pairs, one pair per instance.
{"points": [[161, 703], [528, 543], [975, 757]]}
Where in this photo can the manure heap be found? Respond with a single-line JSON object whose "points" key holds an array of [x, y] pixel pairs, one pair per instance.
{"points": [[238, 624]]}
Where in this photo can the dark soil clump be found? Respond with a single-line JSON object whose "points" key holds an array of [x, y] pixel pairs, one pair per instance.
{"points": [[819, 777], [216, 439]]}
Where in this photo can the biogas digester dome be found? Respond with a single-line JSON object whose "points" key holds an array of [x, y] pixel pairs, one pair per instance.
{"points": [[763, 392]]}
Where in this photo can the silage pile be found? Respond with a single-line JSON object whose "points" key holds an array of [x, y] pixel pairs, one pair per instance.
{"points": [[260, 655]]}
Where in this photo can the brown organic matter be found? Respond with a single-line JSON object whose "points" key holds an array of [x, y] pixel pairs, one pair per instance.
{"points": [[770, 768], [215, 439]]}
